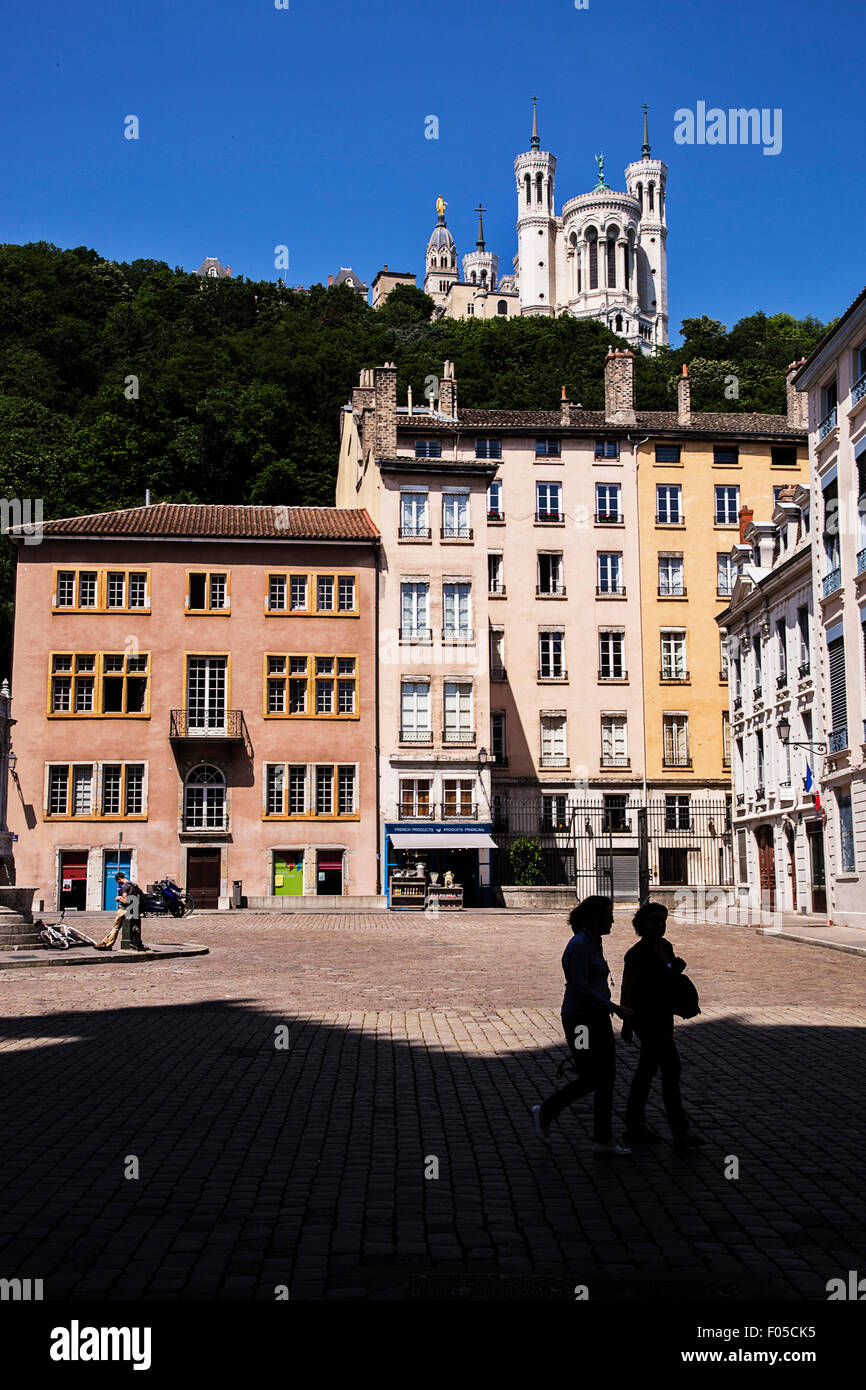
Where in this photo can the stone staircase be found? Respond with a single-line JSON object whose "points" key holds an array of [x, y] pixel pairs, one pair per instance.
{"points": [[17, 928]]}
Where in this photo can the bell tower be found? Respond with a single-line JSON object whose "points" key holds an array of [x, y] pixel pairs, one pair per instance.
{"points": [[535, 174], [441, 262], [646, 179]]}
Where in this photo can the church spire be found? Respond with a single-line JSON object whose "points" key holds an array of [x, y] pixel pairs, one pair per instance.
{"points": [[535, 143], [645, 148], [480, 242]]}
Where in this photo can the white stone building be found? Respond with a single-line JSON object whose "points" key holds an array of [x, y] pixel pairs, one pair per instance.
{"points": [[835, 378], [775, 714]]}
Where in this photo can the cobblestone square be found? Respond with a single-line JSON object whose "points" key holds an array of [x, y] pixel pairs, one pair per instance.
{"points": [[388, 1151]]}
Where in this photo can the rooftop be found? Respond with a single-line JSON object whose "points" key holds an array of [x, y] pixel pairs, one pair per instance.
{"points": [[207, 520]]}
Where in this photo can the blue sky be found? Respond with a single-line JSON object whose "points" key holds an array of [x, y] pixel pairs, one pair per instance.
{"points": [[305, 127]]}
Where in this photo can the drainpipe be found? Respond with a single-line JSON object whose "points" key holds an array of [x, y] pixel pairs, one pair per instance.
{"points": [[379, 841]]}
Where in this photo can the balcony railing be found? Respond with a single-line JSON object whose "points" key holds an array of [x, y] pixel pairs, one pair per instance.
{"points": [[671, 675], [458, 634], [494, 515], [466, 736], [663, 520], [548, 673], [456, 533], [549, 516], [615, 760], [605, 590], [858, 390], [416, 634], [724, 591], [758, 692], [741, 798], [760, 793], [676, 760], [496, 586], [550, 591], [861, 561], [227, 725], [672, 591], [612, 674], [782, 680], [608, 518], [459, 813], [803, 669], [408, 811], [206, 825], [415, 533], [738, 702], [554, 760], [832, 581], [838, 739], [416, 735], [828, 423]]}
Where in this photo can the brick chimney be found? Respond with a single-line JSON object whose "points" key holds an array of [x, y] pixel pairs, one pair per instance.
{"points": [[747, 516], [564, 409], [330, 281], [448, 391], [229, 271], [619, 387], [798, 401], [684, 398], [385, 383]]}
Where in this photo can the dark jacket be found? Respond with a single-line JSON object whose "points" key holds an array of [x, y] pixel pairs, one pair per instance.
{"points": [[648, 982], [586, 975]]}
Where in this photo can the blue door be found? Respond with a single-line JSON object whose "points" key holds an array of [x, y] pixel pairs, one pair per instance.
{"points": [[112, 867]]}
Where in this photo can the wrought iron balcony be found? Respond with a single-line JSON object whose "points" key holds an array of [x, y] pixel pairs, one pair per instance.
{"points": [[547, 673], [803, 669], [741, 798], [838, 739], [672, 591], [500, 760], [464, 736], [458, 634], [554, 760], [760, 793], [458, 813], [408, 811], [782, 680], [738, 702], [662, 520], [861, 561], [206, 825], [414, 533], [608, 518], [671, 675], [226, 725], [496, 586], [416, 735], [828, 423], [676, 760], [723, 675], [858, 390], [456, 533], [615, 760], [416, 634], [607, 590], [612, 674], [758, 692], [832, 581], [550, 591]]}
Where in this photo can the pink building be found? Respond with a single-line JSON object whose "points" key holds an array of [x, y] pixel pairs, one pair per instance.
{"points": [[194, 689]]}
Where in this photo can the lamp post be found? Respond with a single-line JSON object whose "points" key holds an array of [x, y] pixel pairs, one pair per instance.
{"points": [[783, 728]]}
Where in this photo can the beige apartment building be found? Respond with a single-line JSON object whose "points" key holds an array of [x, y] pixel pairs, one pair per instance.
{"points": [[540, 647]]}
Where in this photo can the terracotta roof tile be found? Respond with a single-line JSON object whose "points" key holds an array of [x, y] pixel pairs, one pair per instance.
{"points": [[702, 422], [221, 522]]}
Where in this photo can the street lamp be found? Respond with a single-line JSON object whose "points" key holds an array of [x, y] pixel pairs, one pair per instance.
{"points": [[12, 760], [784, 730], [482, 757]]}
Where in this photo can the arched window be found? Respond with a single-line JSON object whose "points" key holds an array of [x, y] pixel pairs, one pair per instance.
{"points": [[528, 182], [212, 270], [484, 277], [502, 307], [549, 194], [593, 261], [611, 262], [619, 323], [205, 799], [538, 187], [472, 277], [640, 195], [650, 188]]}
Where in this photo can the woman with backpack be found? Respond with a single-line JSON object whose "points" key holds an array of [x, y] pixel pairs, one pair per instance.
{"points": [[654, 987]]}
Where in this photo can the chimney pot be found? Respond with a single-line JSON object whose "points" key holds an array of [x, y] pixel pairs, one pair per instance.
{"points": [[684, 398], [330, 281], [619, 388], [747, 516]]}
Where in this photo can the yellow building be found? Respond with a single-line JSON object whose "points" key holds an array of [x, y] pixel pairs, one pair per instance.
{"points": [[700, 478]]}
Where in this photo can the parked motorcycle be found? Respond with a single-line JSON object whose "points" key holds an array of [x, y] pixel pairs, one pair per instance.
{"points": [[165, 899]]}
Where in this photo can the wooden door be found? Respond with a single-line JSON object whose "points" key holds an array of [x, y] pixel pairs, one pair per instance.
{"points": [[203, 877], [766, 867]]}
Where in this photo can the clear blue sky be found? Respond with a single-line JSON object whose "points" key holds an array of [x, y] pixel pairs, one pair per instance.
{"points": [[306, 127]]}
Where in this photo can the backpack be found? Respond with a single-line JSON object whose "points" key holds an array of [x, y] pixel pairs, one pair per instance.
{"points": [[685, 997]]}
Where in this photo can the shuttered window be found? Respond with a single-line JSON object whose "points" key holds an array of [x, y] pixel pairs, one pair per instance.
{"points": [[838, 701]]}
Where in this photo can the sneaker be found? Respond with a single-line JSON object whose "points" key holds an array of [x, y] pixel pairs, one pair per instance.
{"points": [[617, 1150], [541, 1129], [641, 1136]]}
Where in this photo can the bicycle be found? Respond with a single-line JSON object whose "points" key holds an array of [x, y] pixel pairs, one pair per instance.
{"points": [[60, 935]]}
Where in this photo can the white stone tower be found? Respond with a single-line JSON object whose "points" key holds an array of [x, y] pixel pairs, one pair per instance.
{"points": [[481, 267], [646, 180], [535, 173], [442, 269]]}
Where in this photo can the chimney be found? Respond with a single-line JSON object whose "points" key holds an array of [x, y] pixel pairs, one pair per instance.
{"points": [[448, 391], [684, 398], [385, 407], [330, 281], [564, 409], [746, 518], [798, 401], [386, 265], [619, 387], [229, 271]]}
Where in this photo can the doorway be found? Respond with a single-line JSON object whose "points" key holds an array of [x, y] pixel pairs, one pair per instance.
{"points": [[817, 872], [288, 872], [109, 887], [329, 872], [203, 877], [73, 880], [766, 867]]}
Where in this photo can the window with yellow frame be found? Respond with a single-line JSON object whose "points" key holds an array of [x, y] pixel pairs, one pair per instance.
{"points": [[208, 591], [101, 591], [310, 687], [299, 593], [95, 791], [99, 685]]}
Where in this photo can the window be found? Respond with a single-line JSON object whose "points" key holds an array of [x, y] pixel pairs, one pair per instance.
{"points": [[346, 791], [551, 656], [673, 644], [677, 812], [123, 789], [346, 593], [458, 712], [495, 580], [502, 306], [275, 789], [726, 738], [785, 454], [548, 501], [497, 653], [553, 741], [803, 631], [457, 798], [207, 592], [838, 694], [831, 526], [494, 501], [782, 651], [102, 590], [547, 448], [415, 801], [311, 685], [742, 857], [455, 515], [614, 750], [205, 799], [488, 449], [675, 730], [554, 812], [671, 580], [726, 575], [324, 593], [610, 572], [607, 502], [727, 505], [88, 683], [615, 818], [723, 659], [415, 610], [497, 737], [276, 593], [457, 612], [758, 662], [428, 449], [668, 453], [669, 509], [611, 656], [607, 449], [325, 790], [847, 855], [550, 573], [415, 712], [726, 453], [414, 515], [760, 766], [298, 593]]}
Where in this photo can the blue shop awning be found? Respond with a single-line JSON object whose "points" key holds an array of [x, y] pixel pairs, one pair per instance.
{"points": [[447, 839]]}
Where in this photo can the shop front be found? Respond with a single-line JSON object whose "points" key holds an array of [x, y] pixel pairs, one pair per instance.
{"points": [[445, 868]]}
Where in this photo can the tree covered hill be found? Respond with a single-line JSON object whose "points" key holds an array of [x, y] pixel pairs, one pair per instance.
{"points": [[119, 377]]}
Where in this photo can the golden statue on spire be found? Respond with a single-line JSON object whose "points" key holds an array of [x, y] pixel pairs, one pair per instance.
{"points": [[441, 205]]}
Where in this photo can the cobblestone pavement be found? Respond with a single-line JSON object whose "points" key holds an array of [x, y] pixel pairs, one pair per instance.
{"points": [[417, 1043]]}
